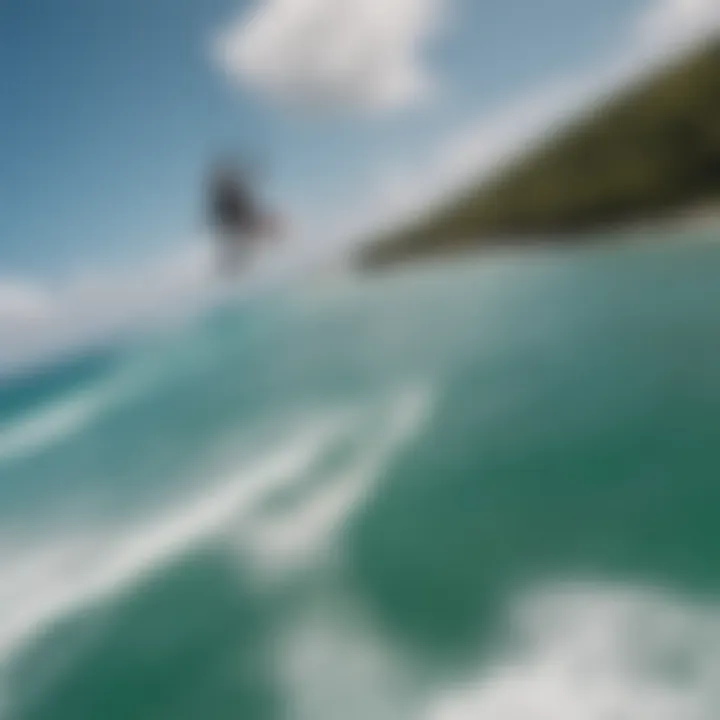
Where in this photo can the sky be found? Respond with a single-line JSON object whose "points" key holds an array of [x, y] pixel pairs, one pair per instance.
{"points": [[357, 111]]}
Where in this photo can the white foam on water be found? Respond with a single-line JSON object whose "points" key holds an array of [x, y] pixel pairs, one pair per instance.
{"points": [[571, 652], [70, 573], [331, 661], [334, 664], [584, 652], [65, 417], [48, 426]]}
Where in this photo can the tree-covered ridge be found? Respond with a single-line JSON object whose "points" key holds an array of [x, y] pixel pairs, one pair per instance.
{"points": [[651, 151]]}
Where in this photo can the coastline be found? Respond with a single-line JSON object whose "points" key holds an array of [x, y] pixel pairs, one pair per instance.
{"points": [[705, 217]]}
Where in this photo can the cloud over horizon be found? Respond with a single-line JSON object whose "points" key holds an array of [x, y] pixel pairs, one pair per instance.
{"points": [[23, 302], [678, 22], [39, 319], [358, 55]]}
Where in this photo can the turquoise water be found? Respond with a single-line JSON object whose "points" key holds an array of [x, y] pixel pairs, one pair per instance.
{"points": [[483, 489]]}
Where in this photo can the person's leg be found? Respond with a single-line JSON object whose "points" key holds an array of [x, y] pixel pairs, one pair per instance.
{"points": [[232, 253]]}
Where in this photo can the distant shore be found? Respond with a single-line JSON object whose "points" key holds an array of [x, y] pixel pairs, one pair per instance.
{"points": [[698, 217], [644, 161]]}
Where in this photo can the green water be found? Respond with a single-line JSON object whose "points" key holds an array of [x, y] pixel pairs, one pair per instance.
{"points": [[485, 489]]}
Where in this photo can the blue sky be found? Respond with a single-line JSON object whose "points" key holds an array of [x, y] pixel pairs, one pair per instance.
{"points": [[363, 111], [111, 110]]}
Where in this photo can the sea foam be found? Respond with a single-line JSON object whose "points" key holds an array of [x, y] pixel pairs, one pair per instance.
{"points": [[596, 652], [573, 651], [69, 573]]}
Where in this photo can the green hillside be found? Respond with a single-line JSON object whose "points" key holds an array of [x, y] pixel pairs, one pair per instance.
{"points": [[652, 151]]}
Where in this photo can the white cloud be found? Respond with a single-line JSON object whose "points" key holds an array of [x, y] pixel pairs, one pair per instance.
{"points": [[23, 302], [37, 320], [677, 22], [333, 54], [40, 320]]}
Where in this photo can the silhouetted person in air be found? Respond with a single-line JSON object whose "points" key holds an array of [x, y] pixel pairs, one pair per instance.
{"points": [[236, 216]]}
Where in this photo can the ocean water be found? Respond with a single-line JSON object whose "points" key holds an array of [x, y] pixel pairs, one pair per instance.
{"points": [[483, 489]]}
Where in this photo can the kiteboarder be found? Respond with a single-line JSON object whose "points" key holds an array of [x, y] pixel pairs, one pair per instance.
{"points": [[236, 216]]}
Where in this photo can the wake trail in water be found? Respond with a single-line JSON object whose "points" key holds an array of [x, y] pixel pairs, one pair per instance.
{"points": [[63, 418], [81, 570], [278, 543], [568, 651], [42, 586], [580, 651]]}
